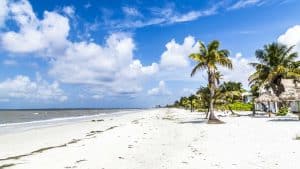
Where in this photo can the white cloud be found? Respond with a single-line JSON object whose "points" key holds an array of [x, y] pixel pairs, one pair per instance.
{"points": [[244, 3], [10, 62], [130, 11], [241, 70], [47, 36], [158, 16], [176, 55], [291, 37], [160, 90], [3, 12], [22, 87], [69, 10], [109, 66], [193, 15], [238, 55], [97, 97], [188, 91]]}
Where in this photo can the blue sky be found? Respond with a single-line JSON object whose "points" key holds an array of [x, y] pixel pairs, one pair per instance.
{"points": [[75, 53]]}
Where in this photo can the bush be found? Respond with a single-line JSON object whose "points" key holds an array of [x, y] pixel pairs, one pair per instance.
{"points": [[283, 111], [240, 106]]}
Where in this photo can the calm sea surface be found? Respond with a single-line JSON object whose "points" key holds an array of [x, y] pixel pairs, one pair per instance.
{"points": [[24, 116]]}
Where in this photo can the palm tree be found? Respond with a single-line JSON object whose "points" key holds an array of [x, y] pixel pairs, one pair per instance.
{"points": [[276, 61], [192, 100], [207, 59], [231, 92], [204, 96]]}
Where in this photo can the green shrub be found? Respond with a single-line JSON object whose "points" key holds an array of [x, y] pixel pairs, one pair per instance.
{"points": [[240, 106], [283, 111]]}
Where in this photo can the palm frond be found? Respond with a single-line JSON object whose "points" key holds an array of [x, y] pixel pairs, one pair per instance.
{"points": [[199, 66]]}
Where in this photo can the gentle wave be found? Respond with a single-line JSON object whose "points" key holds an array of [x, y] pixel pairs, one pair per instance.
{"points": [[65, 119]]}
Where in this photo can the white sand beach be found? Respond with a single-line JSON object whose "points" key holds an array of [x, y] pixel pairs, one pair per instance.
{"points": [[156, 139]]}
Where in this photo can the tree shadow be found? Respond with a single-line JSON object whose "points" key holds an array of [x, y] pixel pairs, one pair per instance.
{"points": [[259, 117], [194, 121], [285, 120]]}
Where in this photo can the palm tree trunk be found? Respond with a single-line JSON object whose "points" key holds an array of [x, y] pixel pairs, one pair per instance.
{"points": [[207, 113], [211, 83], [269, 109], [253, 111]]}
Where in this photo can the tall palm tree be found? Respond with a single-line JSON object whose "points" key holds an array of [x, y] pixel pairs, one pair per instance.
{"points": [[207, 59], [276, 61]]}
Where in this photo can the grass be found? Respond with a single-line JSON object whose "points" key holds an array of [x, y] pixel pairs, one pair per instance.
{"points": [[297, 137]]}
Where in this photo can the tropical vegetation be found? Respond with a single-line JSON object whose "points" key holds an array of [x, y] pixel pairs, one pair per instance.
{"points": [[228, 96], [276, 62]]}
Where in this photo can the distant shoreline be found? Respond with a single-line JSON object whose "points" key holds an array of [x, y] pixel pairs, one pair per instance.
{"points": [[33, 109], [32, 116]]}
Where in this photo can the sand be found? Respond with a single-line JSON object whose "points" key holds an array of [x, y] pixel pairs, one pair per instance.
{"points": [[156, 139]]}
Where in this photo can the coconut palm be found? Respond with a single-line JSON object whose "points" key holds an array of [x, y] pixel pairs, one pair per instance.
{"points": [[204, 96], [230, 92], [276, 61], [207, 59], [192, 100]]}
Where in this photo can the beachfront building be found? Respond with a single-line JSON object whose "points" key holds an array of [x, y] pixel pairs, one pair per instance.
{"points": [[268, 101], [291, 94]]}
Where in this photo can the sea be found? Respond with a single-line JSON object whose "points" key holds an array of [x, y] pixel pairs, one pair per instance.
{"points": [[20, 120]]}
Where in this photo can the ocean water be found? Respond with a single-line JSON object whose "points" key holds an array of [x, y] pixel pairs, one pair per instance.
{"points": [[15, 120]]}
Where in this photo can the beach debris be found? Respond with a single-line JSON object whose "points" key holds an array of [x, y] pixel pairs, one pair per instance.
{"points": [[121, 158], [135, 122], [99, 120], [7, 165], [112, 127], [130, 146], [82, 160], [91, 133], [297, 137]]}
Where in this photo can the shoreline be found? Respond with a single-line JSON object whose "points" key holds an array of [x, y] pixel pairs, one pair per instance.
{"points": [[7, 128]]}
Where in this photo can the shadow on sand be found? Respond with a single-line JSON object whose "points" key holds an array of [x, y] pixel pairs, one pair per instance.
{"points": [[197, 121], [285, 120]]}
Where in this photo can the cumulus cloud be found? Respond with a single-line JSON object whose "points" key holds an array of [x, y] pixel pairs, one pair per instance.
{"points": [[110, 65], [47, 36], [291, 37], [241, 70], [176, 55], [160, 90], [22, 87]]}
